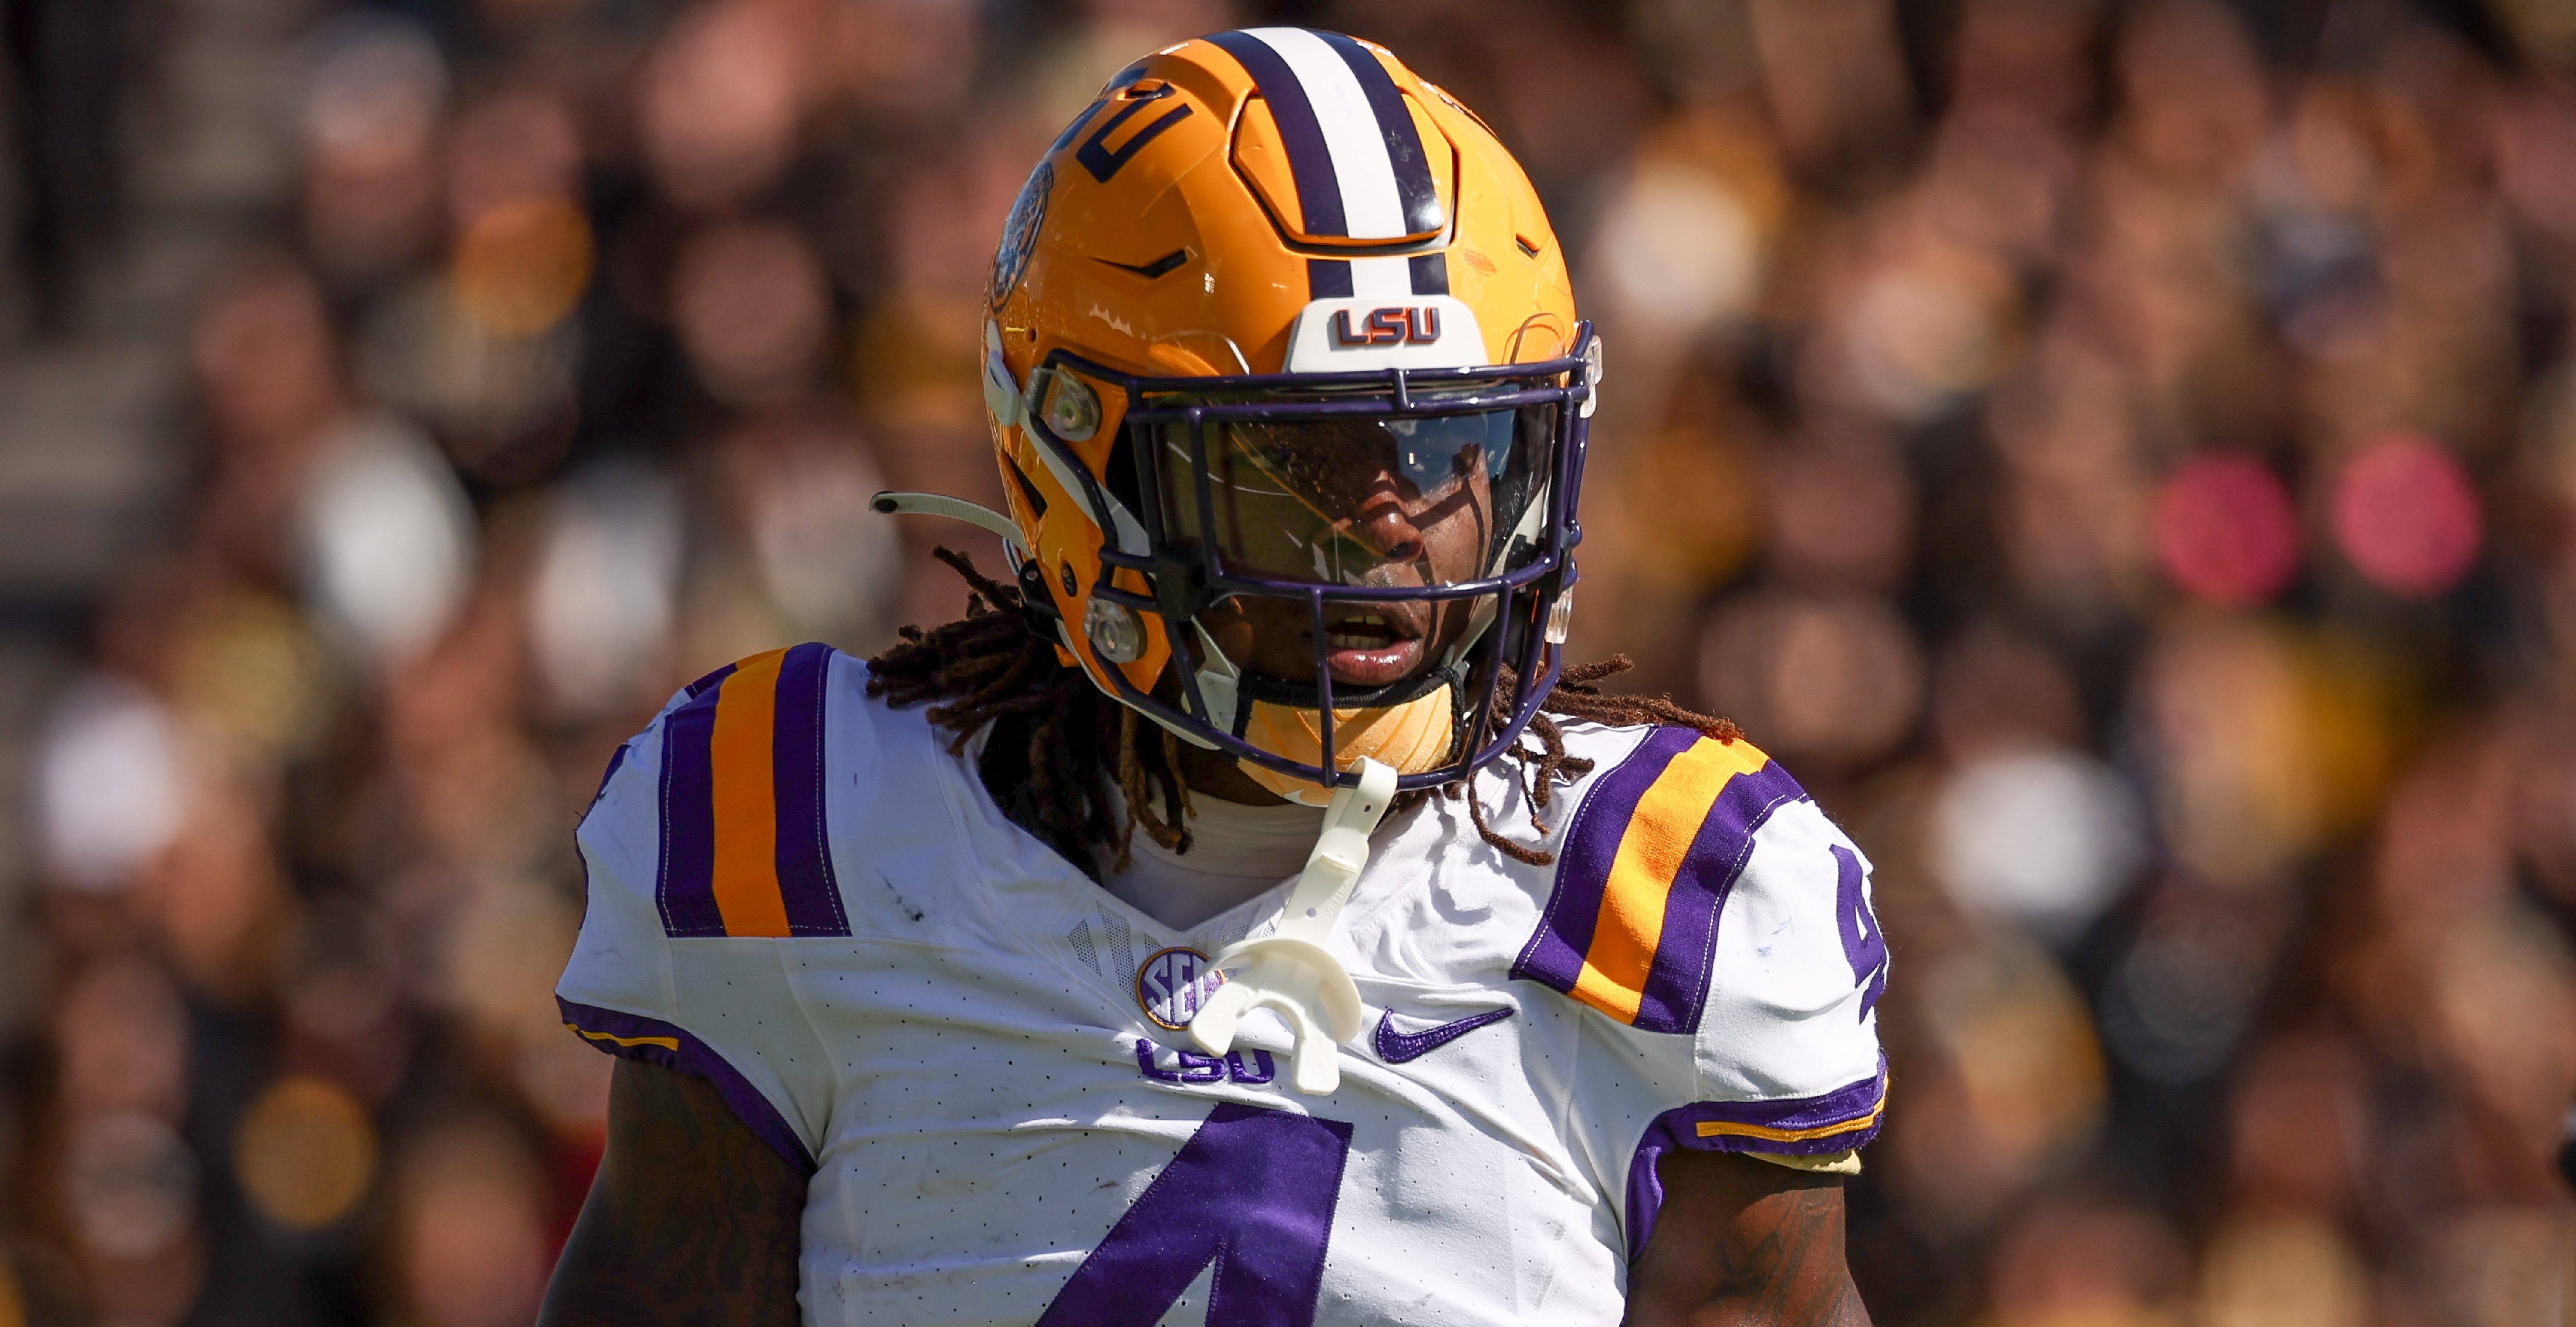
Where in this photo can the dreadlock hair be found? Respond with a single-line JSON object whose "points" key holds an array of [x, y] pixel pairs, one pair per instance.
{"points": [[1056, 740]]}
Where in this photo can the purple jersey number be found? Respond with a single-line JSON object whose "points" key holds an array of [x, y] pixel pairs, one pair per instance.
{"points": [[1863, 945], [1252, 1190]]}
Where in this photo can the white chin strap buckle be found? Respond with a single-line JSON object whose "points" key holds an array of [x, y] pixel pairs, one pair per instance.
{"points": [[1290, 970]]}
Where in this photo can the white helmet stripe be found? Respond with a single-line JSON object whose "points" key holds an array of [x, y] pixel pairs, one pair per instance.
{"points": [[1388, 280], [1372, 206]]}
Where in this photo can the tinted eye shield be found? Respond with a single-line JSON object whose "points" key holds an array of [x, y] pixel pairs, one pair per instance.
{"points": [[1359, 500], [1188, 576]]}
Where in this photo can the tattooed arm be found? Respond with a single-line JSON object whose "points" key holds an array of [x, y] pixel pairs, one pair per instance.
{"points": [[1742, 1243], [692, 1220]]}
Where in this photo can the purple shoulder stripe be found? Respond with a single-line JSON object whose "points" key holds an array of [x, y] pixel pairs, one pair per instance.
{"points": [[684, 882], [1677, 985], [1554, 956], [1858, 1108], [805, 881], [713, 679], [656, 1042]]}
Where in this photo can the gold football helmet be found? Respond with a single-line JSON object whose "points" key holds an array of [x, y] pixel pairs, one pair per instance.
{"points": [[1289, 397]]}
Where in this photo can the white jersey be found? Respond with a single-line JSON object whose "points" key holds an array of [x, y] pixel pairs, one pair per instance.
{"points": [[976, 1054]]}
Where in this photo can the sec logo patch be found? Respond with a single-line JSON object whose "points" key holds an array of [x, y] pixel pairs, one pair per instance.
{"points": [[1173, 984]]}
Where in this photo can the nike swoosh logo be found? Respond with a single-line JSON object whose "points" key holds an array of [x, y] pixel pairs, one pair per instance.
{"points": [[1397, 1047]]}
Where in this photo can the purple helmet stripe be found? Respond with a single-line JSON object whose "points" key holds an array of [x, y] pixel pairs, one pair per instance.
{"points": [[1677, 984], [1430, 273], [1328, 278], [1310, 163], [804, 853], [1413, 184]]}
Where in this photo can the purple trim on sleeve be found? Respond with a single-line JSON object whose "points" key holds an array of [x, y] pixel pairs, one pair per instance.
{"points": [[695, 1058], [1554, 956], [685, 885], [1847, 1104], [1677, 983], [804, 853], [1858, 1104]]}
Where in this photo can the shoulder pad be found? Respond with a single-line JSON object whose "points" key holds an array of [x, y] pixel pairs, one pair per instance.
{"points": [[745, 850], [1631, 925]]}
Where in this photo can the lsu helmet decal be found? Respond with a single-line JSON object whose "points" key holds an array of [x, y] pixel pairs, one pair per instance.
{"points": [[1290, 401]]}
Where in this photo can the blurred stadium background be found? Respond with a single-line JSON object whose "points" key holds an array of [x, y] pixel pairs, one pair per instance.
{"points": [[2122, 455]]}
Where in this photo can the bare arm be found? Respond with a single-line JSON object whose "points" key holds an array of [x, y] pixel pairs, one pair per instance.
{"points": [[1744, 1242], [692, 1220]]}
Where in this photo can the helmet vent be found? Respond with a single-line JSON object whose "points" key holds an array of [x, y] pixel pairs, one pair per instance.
{"points": [[1159, 267], [1036, 501]]}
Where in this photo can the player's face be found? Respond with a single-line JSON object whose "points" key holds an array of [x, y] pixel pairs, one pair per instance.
{"points": [[1386, 503]]}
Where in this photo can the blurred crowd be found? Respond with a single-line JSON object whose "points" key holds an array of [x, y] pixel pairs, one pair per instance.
{"points": [[2122, 457]]}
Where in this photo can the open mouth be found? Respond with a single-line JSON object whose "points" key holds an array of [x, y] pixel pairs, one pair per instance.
{"points": [[1371, 648]]}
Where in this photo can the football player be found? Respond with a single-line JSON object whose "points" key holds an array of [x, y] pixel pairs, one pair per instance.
{"points": [[1243, 915]]}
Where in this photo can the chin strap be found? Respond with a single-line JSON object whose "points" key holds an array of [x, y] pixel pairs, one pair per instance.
{"points": [[1289, 970]]}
